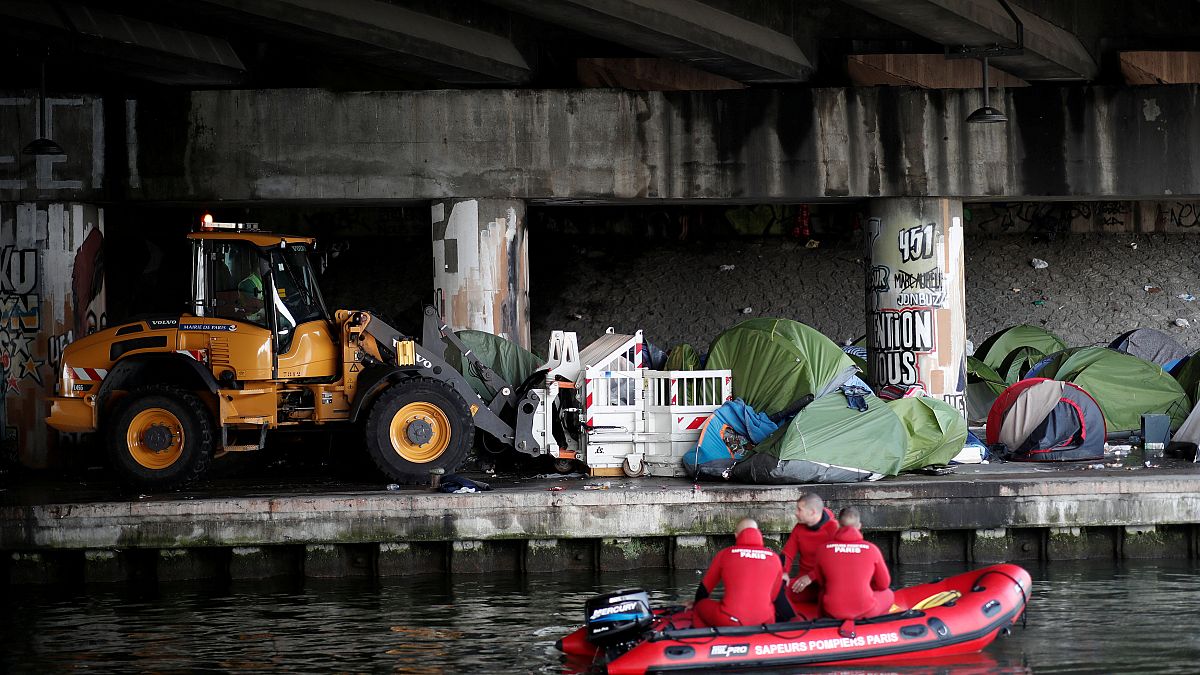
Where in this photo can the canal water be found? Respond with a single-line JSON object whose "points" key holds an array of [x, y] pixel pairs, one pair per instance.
{"points": [[1085, 617]]}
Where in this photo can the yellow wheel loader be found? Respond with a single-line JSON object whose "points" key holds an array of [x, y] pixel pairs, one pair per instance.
{"points": [[256, 351]]}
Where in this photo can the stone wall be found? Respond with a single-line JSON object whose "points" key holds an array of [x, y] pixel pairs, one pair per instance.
{"points": [[1095, 287]]}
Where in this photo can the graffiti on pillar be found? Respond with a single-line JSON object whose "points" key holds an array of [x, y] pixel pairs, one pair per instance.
{"points": [[87, 284], [20, 317], [899, 337]]}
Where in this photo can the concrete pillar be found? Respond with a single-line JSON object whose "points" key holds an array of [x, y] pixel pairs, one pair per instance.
{"points": [[105, 566], [916, 309], [1150, 542], [1081, 543], [186, 564], [338, 560], [925, 546], [485, 557], [481, 266], [556, 555], [52, 292]]}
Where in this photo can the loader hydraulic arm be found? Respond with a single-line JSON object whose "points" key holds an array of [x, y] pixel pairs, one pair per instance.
{"points": [[429, 359]]}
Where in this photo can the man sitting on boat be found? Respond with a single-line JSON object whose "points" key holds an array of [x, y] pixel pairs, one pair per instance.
{"points": [[814, 528], [752, 575], [852, 574]]}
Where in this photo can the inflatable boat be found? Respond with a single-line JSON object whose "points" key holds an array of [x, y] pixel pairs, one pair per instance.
{"points": [[958, 615]]}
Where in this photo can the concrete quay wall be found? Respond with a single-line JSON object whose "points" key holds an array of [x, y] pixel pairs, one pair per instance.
{"points": [[530, 530]]}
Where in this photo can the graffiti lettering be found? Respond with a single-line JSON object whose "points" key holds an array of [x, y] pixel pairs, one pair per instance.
{"points": [[959, 401], [916, 243], [931, 280], [878, 283], [1183, 215], [18, 270], [55, 346], [898, 337]]}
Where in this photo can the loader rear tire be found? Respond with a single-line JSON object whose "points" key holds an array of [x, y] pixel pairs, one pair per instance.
{"points": [[418, 425], [160, 438]]}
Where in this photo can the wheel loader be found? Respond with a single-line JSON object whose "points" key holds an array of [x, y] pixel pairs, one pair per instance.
{"points": [[256, 350]]}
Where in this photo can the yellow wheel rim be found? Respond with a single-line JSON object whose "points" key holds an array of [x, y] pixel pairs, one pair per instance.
{"points": [[154, 421], [420, 432]]}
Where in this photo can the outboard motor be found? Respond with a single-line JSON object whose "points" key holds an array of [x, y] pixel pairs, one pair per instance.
{"points": [[618, 617]]}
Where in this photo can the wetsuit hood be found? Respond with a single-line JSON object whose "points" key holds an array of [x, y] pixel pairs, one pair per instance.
{"points": [[751, 536], [847, 534]]}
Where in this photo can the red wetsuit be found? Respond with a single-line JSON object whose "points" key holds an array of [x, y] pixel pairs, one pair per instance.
{"points": [[751, 574], [854, 579], [802, 547]]}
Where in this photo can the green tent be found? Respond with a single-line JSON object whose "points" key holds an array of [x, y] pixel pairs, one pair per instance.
{"points": [[683, 357], [776, 361], [1125, 386], [1188, 377], [1018, 362], [995, 350], [510, 361], [936, 431], [984, 385], [829, 442]]}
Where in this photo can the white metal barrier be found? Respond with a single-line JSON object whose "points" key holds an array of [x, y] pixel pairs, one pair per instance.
{"points": [[603, 408]]}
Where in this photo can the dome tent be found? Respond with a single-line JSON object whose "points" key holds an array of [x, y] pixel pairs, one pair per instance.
{"points": [[1125, 386], [1041, 420], [510, 361], [984, 384], [776, 362], [936, 431], [1150, 345], [682, 357], [995, 350]]}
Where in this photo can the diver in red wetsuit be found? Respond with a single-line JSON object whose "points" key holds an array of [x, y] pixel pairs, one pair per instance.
{"points": [[752, 575], [854, 579], [815, 526]]}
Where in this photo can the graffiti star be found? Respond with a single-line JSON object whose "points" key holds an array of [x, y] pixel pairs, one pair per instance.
{"points": [[20, 344], [30, 368], [12, 383]]}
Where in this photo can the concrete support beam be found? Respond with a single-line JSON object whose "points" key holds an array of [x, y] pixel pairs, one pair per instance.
{"points": [[150, 51], [751, 146], [1051, 53], [186, 564], [928, 71], [392, 37], [481, 266], [648, 75], [916, 299], [690, 31], [556, 555], [106, 566], [1154, 542], [1160, 67]]}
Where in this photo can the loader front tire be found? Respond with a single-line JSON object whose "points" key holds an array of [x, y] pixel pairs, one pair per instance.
{"points": [[418, 425], [161, 438]]}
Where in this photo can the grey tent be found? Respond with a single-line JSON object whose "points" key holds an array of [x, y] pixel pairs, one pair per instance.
{"points": [[1150, 345]]}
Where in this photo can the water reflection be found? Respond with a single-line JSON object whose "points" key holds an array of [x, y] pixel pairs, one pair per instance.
{"points": [[1079, 621]]}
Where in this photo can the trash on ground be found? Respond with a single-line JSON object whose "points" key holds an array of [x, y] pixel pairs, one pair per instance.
{"points": [[1095, 466], [1152, 289], [1186, 297], [747, 310], [1015, 290], [598, 486], [1039, 264], [727, 268], [556, 488], [812, 243], [392, 487], [560, 475], [1039, 303], [1182, 322], [1133, 245]]}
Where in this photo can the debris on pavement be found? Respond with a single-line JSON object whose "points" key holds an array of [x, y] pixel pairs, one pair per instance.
{"points": [[392, 487], [1186, 297], [747, 310], [556, 488], [1182, 322], [1152, 289], [1039, 264], [727, 268]]}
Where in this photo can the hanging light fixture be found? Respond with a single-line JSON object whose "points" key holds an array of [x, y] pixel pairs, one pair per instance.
{"points": [[987, 114], [43, 145]]}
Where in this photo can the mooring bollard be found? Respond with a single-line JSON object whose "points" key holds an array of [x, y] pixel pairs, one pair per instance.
{"points": [[435, 478]]}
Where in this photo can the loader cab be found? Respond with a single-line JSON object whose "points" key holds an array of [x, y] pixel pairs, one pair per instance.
{"points": [[267, 281]]}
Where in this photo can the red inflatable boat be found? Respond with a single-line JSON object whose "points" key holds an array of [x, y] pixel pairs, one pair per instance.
{"points": [[958, 615]]}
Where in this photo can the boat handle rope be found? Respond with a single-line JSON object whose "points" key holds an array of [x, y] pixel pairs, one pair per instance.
{"points": [[1024, 599]]}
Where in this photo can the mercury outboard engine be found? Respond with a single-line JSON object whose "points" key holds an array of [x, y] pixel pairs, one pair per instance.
{"points": [[621, 616]]}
